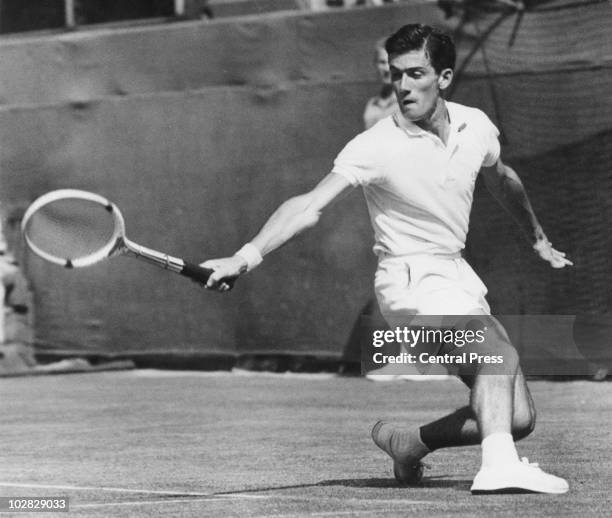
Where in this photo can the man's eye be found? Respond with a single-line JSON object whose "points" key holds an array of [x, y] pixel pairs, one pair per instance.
{"points": [[396, 75]]}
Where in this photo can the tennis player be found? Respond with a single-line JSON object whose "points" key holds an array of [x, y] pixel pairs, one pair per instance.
{"points": [[377, 108], [418, 169]]}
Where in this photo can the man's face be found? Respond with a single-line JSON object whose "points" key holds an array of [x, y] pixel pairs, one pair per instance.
{"points": [[382, 66], [416, 84]]}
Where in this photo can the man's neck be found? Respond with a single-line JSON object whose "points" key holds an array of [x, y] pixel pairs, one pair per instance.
{"points": [[438, 122]]}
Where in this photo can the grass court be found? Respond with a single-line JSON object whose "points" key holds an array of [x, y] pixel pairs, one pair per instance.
{"points": [[147, 443]]}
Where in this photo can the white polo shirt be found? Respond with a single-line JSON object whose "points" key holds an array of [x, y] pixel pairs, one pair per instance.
{"points": [[419, 191]]}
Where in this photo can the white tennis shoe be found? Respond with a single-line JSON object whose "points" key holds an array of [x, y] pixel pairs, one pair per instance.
{"points": [[518, 477]]}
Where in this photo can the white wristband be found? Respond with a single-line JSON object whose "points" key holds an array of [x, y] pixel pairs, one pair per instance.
{"points": [[251, 255]]}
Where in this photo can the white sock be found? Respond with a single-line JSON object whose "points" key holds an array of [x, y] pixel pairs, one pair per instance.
{"points": [[498, 449]]}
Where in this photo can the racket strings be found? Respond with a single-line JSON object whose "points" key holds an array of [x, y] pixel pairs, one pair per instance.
{"points": [[71, 228]]}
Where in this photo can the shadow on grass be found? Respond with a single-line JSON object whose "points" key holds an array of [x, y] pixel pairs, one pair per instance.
{"points": [[388, 483], [430, 482]]}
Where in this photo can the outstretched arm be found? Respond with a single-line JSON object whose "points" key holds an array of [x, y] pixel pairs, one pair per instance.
{"points": [[507, 188], [291, 218]]}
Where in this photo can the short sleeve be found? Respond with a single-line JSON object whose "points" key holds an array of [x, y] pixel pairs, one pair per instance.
{"points": [[491, 140], [358, 163]]}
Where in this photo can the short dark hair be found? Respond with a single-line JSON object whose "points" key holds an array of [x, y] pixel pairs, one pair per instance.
{"points": [[439, 46]]}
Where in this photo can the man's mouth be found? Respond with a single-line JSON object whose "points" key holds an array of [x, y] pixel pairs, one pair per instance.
{"points": [[407, 102]]}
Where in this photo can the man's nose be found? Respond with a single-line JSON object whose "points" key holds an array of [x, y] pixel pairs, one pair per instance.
{"points": [[405, 82]]}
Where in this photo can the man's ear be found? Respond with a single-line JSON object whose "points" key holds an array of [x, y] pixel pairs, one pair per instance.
{"points": [[445, 78]]}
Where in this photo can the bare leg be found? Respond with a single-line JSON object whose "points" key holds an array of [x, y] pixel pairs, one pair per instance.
{"points": [[500, 402], [500, 411]]}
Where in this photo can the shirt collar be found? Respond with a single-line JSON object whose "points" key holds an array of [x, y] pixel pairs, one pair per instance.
{"points": [[457, 123]]}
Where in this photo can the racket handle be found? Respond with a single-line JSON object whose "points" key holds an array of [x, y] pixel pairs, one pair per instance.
{"points": [[195, 272], [200, 274]]}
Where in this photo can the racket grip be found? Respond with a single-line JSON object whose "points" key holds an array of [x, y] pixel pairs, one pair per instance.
{"points": [[200, 274], [195, 272]]}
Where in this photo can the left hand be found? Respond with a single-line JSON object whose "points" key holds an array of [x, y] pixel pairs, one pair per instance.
{"points": [[545, 250]]}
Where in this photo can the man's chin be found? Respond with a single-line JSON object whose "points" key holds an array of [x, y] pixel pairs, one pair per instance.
{"points": [[411, 115]]}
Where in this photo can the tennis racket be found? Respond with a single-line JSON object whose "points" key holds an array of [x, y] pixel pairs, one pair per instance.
{"points": [[74, 229]]}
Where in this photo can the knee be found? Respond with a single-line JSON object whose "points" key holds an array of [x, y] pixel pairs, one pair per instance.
{"points": [[509, 364], [523, 423], [497, 343], [510, 356]]}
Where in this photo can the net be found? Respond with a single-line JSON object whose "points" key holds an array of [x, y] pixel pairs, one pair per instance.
{"points": [[70, 228]]}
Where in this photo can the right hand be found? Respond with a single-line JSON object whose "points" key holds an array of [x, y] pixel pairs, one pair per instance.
{"points": [[225, 269]]}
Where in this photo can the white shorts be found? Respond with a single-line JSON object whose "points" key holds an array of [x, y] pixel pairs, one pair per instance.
{"points": [[407, 286]]}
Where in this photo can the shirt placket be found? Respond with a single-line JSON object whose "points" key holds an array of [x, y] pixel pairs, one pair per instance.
{"points": [[452, 146]]}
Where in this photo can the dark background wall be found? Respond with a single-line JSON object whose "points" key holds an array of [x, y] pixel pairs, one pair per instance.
{"points": [[198, 130]]}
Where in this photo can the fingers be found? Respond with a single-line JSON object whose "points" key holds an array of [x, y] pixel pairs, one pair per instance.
{"points": [[213, 264], [217, 280], [562, 261], [224, 272], [558, 259]]}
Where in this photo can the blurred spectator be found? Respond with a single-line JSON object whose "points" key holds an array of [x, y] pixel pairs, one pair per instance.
{"points": [[323, 5], [16, 299], [383, 104]]}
